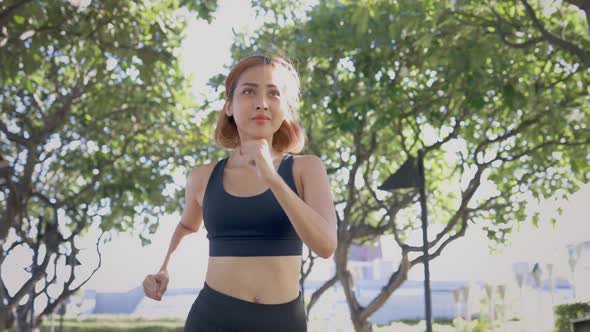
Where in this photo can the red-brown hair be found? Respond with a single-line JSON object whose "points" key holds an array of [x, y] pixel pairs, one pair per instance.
{"points": [[289, 137]]}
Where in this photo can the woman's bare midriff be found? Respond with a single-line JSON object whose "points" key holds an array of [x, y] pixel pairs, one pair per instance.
{"points": [[260, 279]]}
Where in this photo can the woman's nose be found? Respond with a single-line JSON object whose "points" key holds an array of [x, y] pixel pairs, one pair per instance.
{"points": [[261, 103]]}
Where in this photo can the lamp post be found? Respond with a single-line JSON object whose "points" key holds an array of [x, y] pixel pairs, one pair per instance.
{"points": [[490, 294], [521, 270], [520, 282], [467, 308], [549, 268], [502, 294], [61, 311], [574, 254], [411, 175], [537, 277], [457, 297]]}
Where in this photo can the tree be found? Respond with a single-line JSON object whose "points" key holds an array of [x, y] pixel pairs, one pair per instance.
{"points": [[499, 126], [520, 24], [96, 116]]}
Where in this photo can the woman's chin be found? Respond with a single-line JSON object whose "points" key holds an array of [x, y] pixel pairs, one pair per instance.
{"points": [[261, 133], [258, 135]]}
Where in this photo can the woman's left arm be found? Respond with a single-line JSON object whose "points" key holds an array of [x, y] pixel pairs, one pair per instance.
{"points": [[313, 217]]}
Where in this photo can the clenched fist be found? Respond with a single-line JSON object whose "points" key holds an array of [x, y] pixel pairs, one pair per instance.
{"points": [[154, 285], [257, 154]]}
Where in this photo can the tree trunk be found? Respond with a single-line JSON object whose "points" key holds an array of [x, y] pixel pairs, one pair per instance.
{"points": [[362, 326], [22, 321], [23, 325], [6, 319], [360, 323]]}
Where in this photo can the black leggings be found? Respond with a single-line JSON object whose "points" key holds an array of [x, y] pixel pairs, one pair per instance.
{"points": [[213, 311]]}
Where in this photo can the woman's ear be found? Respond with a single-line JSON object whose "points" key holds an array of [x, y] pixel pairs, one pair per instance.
{"points": [[228, 110]]}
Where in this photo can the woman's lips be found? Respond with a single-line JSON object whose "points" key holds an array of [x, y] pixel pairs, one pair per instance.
{"points": [[261, 119]]}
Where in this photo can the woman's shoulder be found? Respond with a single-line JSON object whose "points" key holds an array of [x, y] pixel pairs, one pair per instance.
{"points": [[307, 160], [303, 163], [199, 174]]}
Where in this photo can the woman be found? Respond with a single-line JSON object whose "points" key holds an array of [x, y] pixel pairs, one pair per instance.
{"points": [[258, 205]]}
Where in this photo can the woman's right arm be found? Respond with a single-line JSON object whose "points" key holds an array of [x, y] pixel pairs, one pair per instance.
{"points": [[192, 217], [154, 285]]}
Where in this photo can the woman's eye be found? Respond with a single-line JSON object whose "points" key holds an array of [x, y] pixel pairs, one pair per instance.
{"points": [[247, 91], [275, 93]]}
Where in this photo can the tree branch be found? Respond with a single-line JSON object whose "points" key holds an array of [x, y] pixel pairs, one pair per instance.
{"points": [[320, 291], [450, 239], [11, 136], [394, 282], [26, 288], [7, 12], [574, 49], [462, 211], [67, 292]]}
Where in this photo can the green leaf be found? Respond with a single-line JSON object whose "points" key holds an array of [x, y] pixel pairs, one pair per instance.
{"points": [[19, 19], [475, 100]]}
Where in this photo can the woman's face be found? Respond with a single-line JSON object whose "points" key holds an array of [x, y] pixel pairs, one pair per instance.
{"points": [[259, 102]]}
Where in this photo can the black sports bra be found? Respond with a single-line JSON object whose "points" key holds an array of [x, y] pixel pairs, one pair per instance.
{"points": [[252, 225]]}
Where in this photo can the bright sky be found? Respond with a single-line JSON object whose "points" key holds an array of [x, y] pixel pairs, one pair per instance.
{"points": [[126, 262]]}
